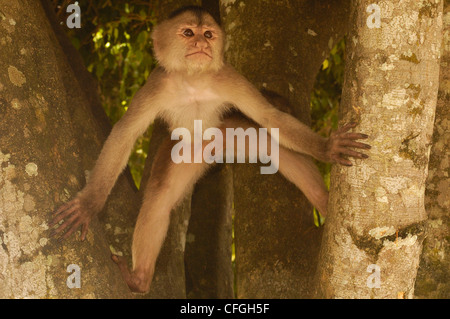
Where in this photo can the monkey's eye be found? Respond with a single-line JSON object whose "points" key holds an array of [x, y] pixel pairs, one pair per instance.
{"points": [[188, 33], [208, 34]]}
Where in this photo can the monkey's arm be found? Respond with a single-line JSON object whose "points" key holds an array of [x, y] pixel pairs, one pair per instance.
{"points": [[293, 134], [110, 163]]}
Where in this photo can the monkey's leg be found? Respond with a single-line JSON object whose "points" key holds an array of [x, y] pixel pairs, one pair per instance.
{"points": [[295, 167], [167, 185], [303, 173]]}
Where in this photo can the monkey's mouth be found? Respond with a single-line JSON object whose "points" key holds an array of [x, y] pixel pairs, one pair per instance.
{"points": [[199, 52]]}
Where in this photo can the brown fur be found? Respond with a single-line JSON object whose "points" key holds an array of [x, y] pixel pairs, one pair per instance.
{"points": [[193, 83]]}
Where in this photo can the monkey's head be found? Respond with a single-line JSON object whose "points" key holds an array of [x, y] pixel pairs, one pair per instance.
{"points": [[190, 40]]}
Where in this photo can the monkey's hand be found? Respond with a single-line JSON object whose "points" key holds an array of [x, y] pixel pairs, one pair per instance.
{"points": [[340, 142], [78, 212]]}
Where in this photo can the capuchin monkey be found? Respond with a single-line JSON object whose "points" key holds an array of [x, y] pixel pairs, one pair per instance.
{"points": [[193, 82]]}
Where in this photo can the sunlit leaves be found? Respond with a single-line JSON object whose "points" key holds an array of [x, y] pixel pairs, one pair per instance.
{"points": [[115, 43], [326, 94], [326, 97]]}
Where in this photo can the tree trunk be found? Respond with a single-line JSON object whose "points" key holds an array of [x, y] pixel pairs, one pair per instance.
{"points": [[434, 270], [48, 139], [375, 229], [277, 243], [209, 271]]}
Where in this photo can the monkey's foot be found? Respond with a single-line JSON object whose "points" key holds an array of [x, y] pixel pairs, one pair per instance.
{"points": [[138, 283]]}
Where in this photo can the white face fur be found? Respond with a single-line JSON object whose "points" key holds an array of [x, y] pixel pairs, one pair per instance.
{"points": [[189, 43]]}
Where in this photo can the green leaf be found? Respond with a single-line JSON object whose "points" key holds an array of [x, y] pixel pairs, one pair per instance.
{"points": [[142, 37], [99, 69], [76, 43]]}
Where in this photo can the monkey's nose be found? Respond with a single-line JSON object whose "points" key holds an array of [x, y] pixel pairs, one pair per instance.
{"points": [[200, 43]]}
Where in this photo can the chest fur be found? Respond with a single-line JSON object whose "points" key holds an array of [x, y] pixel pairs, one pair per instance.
{"points": [[189, 102]]}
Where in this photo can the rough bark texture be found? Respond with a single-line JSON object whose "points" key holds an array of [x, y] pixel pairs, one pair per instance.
{"points": [[433, 277], [48, 140], [122, 206], [278, 45], [208, 245], [377, 214]]}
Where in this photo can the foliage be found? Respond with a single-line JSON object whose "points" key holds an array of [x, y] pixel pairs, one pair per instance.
{"points": [[115, 43], [326, 96]]}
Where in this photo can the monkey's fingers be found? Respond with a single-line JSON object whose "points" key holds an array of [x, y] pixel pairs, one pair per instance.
{"points": [[63, 214], [343, 161], [355, 136], [336, 158], [62, 208], [72, 229], [73, 204], [119, 261], [64, 225], [349, 152], [347, 127], [84, 230], [352, 143], [122, 264]]}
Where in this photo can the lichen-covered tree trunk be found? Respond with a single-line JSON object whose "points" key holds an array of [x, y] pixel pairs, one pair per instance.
{"points": [[48, 139], [277, 45], [433, 277], [374, 233]]}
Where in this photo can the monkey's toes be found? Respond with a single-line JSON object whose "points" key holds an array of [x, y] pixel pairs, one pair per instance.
{"points": [[120, 261]]}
